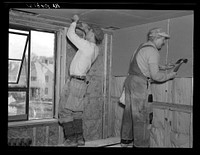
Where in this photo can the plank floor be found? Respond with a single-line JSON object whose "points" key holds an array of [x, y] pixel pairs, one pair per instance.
{"points": [[108, 142]]}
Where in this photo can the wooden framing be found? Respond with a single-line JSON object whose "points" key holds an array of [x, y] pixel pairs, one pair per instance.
{"points": [[173, 112], [59, 26], [172, 107], [172, 124]]}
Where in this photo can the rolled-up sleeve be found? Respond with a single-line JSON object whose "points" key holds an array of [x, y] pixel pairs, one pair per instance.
{"points": [[75, 39]]}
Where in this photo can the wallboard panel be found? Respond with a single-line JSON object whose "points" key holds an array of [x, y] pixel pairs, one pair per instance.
{"points": [[180, 45]]}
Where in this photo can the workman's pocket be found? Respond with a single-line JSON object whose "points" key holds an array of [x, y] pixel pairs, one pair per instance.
{"points": [[78, 88]]}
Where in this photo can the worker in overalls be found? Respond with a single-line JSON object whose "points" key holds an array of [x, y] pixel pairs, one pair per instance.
{"points": [[144, 68]]}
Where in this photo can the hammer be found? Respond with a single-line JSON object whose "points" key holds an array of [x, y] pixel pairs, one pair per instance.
{"points": [[180, 62]]}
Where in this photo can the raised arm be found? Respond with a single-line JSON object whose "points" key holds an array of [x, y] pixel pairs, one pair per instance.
{"points": [[80, 43]]}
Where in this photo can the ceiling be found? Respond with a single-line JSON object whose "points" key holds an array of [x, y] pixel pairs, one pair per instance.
{"points": [[110, 18]]}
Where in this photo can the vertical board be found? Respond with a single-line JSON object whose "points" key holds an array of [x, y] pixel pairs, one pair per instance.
{"points": [[169, 128], [111, 106], [172, 128], [105, 103], [159, 92], [182, 122], [157, 131], [116, 90]]}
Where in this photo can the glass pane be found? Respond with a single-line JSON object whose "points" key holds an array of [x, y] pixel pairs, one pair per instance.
{"points": [[42, 75], [16, 45], [13, 73], [16, 103], [13, 70]]}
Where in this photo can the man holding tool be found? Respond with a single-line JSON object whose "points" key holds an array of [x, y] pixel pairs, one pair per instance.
{"points": [[144, 68]]}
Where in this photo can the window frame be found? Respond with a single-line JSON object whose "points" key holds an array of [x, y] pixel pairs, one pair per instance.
{"points": [[25, 117], [22, 117], [23, 56]]}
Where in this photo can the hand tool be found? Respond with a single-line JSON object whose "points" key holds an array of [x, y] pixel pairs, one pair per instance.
{"points": [[179, 63]]}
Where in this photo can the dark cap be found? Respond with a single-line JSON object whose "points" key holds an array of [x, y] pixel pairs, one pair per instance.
{"points": [[99, 35]]}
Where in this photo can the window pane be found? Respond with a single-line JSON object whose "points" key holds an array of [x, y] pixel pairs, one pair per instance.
{"points": [[16, 45], [13, 70], [16, 103], [42, 66]]}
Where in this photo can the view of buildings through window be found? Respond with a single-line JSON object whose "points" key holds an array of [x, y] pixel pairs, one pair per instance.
{"points": [[41, 77]]}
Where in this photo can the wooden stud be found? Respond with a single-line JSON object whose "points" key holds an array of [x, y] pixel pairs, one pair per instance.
{"points": [[105, 112]]}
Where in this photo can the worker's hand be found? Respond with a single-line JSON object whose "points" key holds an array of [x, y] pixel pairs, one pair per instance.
{"points": [[75, 18], [173, 75], [170, 66]]}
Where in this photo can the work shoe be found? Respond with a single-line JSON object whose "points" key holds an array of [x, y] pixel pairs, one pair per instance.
{"points": [[71, 142], [126, 143], [79, 139], [69, 134], [78, 129]]}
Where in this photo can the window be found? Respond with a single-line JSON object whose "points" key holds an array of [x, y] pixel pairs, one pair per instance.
{"points": [[33, 78], [46, 91], [47, 78], [28, 95], [46, 61]]}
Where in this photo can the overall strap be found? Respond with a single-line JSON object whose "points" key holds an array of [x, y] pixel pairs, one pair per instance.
{"points": [[134, 68]]}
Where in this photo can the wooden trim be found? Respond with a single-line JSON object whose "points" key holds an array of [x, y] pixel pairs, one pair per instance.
{"points": [[32, 122], [57, 72], [105, 113], [34, 136], [35, 21], [42, 21], [47, 136], [111, 118], [191, 132], [61, 135], [17, 117], [172, 106]]}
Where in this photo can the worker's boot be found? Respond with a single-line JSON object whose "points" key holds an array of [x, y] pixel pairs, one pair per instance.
{"points": [[126, 143], [78, 126], [69, 134]]}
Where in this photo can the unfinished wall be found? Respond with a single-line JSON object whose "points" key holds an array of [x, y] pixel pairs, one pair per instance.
{"points": [[97, 96], [179, 46], [42, 134], [170, 128], [172, 124], [96, 121], [96, 116], [116, 90]]}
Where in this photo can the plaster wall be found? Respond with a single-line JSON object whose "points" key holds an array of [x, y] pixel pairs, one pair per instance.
{"points": [[180, 45]]}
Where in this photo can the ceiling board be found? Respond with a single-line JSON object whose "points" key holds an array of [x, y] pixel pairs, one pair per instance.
{"points": [[148, 13], [110, 17]]}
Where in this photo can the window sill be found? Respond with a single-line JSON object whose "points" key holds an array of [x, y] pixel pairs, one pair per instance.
{"points": [[32, 122]]}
